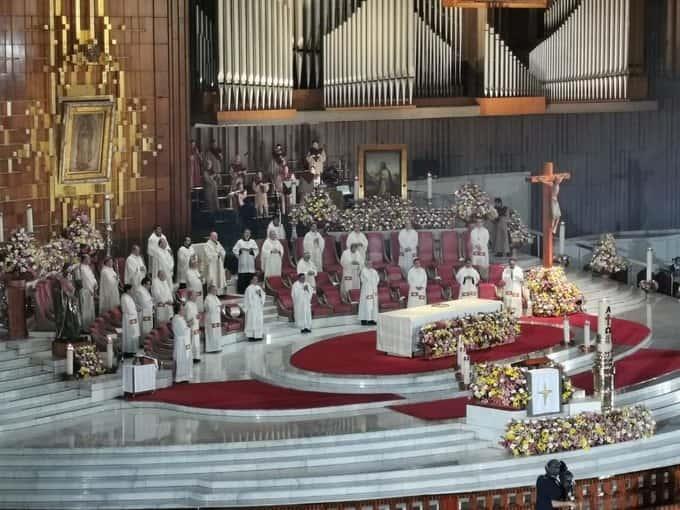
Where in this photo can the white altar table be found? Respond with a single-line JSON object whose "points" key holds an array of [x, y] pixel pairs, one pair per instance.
{"points": [[398, 331]]}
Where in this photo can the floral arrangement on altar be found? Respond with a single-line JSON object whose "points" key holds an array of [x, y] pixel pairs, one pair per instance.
{"points": [[507, 386], [477, 332], [519, 232], [87, 361], [551, 293], [473, 203], [605, 259], [19, 256], [82, 235], [582, 431], [317, 207]]}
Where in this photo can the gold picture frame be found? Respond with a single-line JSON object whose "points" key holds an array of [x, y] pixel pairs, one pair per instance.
{"points": [[86, 140], [378, 166]]}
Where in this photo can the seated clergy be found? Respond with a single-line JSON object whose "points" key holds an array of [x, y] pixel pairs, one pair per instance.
{"points": [[352, 261], [144, 301], [368, 299], [307, 267], [165, 262], [162, 298], [417, 285], [182, 349], [357, 237], [109, 293], [302, 293], [512, 281], [479, 242], [195, 284], [130, 322], [468, 279], [253, 305], [135, 269], [271, 255], [278, 227], [408, 247], [314, 243]]}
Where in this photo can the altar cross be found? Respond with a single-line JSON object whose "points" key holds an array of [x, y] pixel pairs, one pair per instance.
{"points": [[548, 179]]}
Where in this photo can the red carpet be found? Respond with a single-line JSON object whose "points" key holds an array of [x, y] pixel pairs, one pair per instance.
{"points": [[255, 395], [356, 354], [642, 366], [438, 410], [623, 332]]}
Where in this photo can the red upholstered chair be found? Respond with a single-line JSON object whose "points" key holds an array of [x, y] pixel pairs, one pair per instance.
{"points": [[394, 247], [447, 277], [164, 332], [319, 308], [274, 285], [333, 299], [116, 317], [487, 291], [466, 243], [449, 247], [299, 248], [323, 280], [231, 326], [426, 250], [331, 262], [284, 304], [396, 281], [343, 242], [386, 300], [496, 273], [288, 270], [435, 293], [355, 295], [258, 259], [376, 251]]}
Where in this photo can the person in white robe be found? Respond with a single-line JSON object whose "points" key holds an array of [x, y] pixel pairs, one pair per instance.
{"points": [[130, 322], [306, 266], [135, 269], [144, 301], [253, 306], [468, 278], [215, 255], [417, 285], [162, 298], [357, 237], [368, 299], [479, 240], [152, 246], [109, 293], [314, 244], [408, 247], [184, 255], [272, 255], [513, 280], [352, 261], [246, 250], [193, 321], [182, 348], [213, 321], [195, 284], [88, 289], [165, 262], [302, 293], [278, 227]]}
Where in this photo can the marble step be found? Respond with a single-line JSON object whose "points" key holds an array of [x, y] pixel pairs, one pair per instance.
{"points": [[16, 362], [50, 414], [26, 382], [57, 403], [18, 373], [39, 400], [34, 390]]}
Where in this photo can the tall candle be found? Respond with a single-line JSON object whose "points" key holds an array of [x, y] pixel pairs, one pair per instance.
{"points": [[29, 218], [601, 320], [2, 227], [429, 186], [460, 354], [293, 193], [566, 328], [562, 235], [586, 334], [530, 308], [466, 370], [69, 360], [109, 352], [650, 257], [107, 210], [356, 188]]}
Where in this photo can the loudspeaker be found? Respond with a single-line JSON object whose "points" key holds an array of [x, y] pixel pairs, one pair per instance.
{"points": [[420, 167]]}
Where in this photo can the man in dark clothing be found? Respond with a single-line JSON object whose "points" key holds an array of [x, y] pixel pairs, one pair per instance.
{"points": [[549, 491]]}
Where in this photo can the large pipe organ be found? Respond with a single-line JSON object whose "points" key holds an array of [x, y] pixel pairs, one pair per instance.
{"points": [[504, 74]]}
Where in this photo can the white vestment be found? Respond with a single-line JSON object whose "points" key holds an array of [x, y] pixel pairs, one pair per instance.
{"points": [[309, 270], [130, 324], [191, 315], [165, 262], [184, 256], [368, 300], [88, 289], [135, 270], [512, 290], [253, 305], [151, 248], [351, 269], [280, 231], [479, 239], [358, 238], [468, 279], [195, 285], [302, 304], [161, 297], [215, 253], [213, 323], [109, 295], [272, 253], [144, 303], [408, 248], [314, 244], [417, 286], [246, 261], [184, 367]]}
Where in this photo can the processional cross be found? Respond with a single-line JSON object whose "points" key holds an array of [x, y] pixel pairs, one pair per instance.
{"points": [[550, 182]]}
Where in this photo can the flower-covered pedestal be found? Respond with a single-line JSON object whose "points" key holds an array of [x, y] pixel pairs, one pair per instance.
{"points": [[551, 293]]}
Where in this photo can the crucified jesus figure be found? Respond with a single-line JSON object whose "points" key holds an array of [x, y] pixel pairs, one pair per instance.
{"points": [[555, 211]]}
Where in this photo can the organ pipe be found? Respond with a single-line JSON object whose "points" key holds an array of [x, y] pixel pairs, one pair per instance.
{"points": [[504, 74]]}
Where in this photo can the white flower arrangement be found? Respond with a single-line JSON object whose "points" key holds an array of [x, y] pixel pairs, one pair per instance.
{"points": [[605, 259], [473, 203]]}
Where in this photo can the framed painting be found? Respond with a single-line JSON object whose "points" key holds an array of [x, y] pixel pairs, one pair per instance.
{"points": [[383, 170], [86, 140]]}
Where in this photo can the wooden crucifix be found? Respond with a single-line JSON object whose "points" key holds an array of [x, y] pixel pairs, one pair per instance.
{"points": [[551, 209]]}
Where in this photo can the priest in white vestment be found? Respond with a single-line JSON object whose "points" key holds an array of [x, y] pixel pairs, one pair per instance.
{"points": [[212, 320], [479, 240], [417, 285], [88, 289], [135, 269], [357, 237], [314, 243], [144, 301], [152, 246], [368, 299], [165, 262], [109, 292], [253, 306], [184, 255], [162, 298], [513, 279], [195, 284], [468, 278], [182, 349], [246, 250], [352, 261], [302, 293], [277, 227], [130, 323], [215, 255], [272, 255], [307, 267], [193, 321], [408, 247]]}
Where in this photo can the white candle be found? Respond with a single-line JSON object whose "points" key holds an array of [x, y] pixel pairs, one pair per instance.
{"points": [[566, 331], [356, 188], [29, 218], [9, 108], [650, 257], [2, 227], [69, 360], [267, 338], [466, 370], [429, 186], [107, 210], [562, 235], [293, 194], [586, 334], [109, 352], [601, 319], [460, 354], [530, 308]]}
